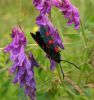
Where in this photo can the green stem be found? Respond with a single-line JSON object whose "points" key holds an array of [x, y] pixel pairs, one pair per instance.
{"points": [[85, 44], [83, 34], [60, 77]]}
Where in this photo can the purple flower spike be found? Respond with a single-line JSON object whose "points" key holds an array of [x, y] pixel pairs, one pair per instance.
{"points": [[38, 4], [44, 21], [46, 7], [41, 20], [22, 66], [69, 11], [65, 6], [43, 5], [58, 39], [33, 61], [52, 63], [30, 87]]}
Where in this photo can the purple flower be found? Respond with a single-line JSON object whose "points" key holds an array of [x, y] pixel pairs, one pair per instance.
{"points": [[65, 6], [25, 76], [22, 66], [57, 3], [46, 7], [69, 11], [18, 43], [38, 4], [43, 5], [52, 64], [44, 21]]}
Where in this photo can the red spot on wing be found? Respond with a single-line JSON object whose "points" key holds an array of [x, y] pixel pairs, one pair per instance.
{"points": [[51, 41], [47, 33], [56, 49]]}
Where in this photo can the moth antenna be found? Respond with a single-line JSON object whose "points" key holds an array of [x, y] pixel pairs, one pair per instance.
{"points": [[62, 71], [71, 63]]}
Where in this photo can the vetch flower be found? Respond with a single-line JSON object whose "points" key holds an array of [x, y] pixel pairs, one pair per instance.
{"points": [[52, 64], [69, 11], [65, 6], [30, 86], [17, 44], [38, 4], [44, 6], [22, 65], [44, 21]]}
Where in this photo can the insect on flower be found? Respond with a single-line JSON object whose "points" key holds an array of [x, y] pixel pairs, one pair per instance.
{"points": [[46, 42]]}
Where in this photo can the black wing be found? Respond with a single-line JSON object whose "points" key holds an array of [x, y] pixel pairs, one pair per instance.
{"points": [[50, 52]]}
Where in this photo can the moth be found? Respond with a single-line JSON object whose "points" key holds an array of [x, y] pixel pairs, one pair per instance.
{"points": [[47, 43]]}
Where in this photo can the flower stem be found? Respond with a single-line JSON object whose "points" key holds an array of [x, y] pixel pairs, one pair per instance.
{"points": [[85, 45], [83, 34], [60, 77]]}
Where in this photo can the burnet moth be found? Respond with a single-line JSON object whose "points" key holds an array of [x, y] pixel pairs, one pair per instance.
{"points": [[46, 42]]}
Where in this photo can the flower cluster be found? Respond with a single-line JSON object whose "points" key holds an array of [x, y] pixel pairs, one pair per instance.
{"points": [[22, 65], [69, 11], [65, 6]]}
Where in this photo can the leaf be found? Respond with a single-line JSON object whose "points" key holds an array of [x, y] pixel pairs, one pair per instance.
{"points": [[73, 36]]}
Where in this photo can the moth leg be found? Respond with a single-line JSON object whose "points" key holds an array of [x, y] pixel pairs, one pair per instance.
{"points": [[62, 71]]}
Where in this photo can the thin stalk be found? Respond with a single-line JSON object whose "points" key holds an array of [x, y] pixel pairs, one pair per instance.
{"points": [[28, 45], [61, 78], [83, 34], [1, 49], [85, 45], [59, 74]]}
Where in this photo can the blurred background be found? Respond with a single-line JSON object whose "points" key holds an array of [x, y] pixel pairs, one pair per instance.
{"points": [[79, 49]]}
